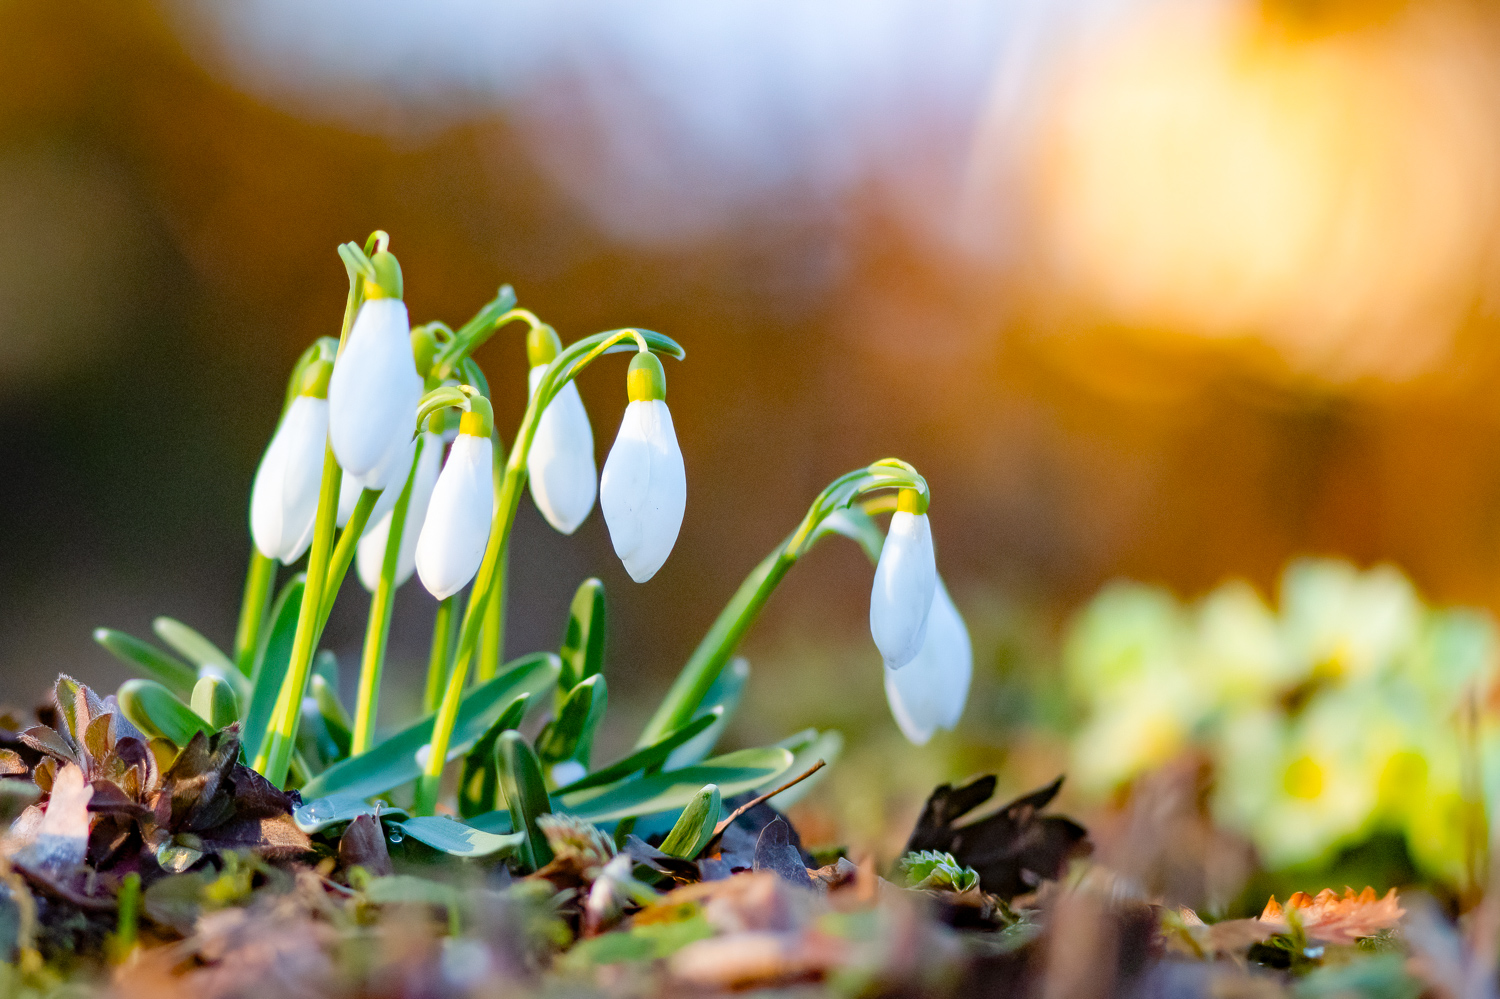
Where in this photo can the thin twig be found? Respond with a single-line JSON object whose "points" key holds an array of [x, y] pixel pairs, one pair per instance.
{"points": [[713, 840]]}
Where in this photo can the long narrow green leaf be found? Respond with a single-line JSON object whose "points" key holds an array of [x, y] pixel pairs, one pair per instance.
{"points": [[335, 717], [459, 840], [695, 827], [144, 657], [156, 711], [478, 783], [643, 759], [570, 736], [725, 695], [525, 795], [394, 761], [271, 662], [582, 649], [203, 654], [745, 770], [191, 645]]}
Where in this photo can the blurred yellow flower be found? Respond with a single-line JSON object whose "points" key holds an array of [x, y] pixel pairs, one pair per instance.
{"points": [[1350, 710]]}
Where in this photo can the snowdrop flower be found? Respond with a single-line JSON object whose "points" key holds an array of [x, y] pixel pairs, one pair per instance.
{"points": [[644, 488], [457, 526], [370, 556], [284, 499], [560, 464], [373, 396], [905, 580], [929, 692]]}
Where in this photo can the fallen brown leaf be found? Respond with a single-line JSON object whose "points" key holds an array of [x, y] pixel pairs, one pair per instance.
{"points": [[1336, 919]]}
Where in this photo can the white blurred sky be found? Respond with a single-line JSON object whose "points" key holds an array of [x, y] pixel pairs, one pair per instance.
{"points": [[1175, 165], [667, 119]]}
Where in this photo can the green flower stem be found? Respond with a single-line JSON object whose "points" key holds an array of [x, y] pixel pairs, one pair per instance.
{"points": [[260, 580], [492, 634], [378, 631], [343, 552], [439, 656], [714, 651], [489, 578], [476, 331], [275, 754]]}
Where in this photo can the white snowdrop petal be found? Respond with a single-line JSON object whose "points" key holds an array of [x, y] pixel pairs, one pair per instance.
{"points": [[929, 692], [901, 598], [560, 464], [375, 388], [952, 654], [457, 525], [666, 496], [389, 473], [265, 497], [909, 705], [370, 555], [349, 490], [622, 487], [303, 481], [284, 499], [643, 491]]}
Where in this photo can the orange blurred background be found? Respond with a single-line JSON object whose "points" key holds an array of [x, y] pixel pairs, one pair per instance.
{"points": [[1174, 290]]}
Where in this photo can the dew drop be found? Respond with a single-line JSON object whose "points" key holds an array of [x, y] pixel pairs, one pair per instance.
{"points": [[395, 836]]}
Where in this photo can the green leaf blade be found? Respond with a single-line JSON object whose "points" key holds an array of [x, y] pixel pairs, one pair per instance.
{"points": [[744, 770], [570, 736], [272, 660], [525, 795], [191, 645], [172, 673], [156, 711], [478, 783], [394, 762], [582, 650], [458, 839], [649, 757]]}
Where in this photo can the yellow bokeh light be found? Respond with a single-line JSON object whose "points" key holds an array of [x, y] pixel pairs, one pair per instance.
{"points": [[1333, 196]]}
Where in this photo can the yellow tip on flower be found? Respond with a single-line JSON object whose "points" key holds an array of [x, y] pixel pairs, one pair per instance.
{"points": [[387, 280], [911, 501], [646, 380]]}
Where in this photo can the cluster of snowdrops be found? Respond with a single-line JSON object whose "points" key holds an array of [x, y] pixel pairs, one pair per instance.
{"points": [[361, 444], [1352, 709]]}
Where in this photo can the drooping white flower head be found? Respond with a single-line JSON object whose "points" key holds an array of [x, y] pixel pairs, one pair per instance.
{"points": [[284, 499], [905, 579], [560, 464], [370, 555], [373, 397], [457, 526], [929, 692], [643, 491]]}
